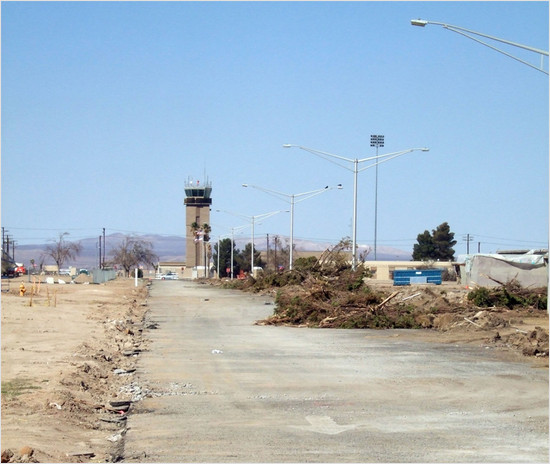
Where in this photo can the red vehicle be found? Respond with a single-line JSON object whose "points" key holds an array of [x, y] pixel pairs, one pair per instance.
{"points": [[20, 270]]}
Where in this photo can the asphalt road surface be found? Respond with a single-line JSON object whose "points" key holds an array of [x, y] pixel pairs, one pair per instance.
{"points": [[218, 388]]}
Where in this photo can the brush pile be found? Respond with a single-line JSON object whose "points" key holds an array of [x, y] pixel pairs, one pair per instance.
{"points": [[326, 293]]}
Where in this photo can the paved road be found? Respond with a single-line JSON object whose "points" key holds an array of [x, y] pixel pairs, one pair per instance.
{"points": [[225, 390]]}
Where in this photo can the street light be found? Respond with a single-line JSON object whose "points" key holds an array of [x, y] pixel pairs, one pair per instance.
{"points": [[355, 170], [462, 31], [303, 196], [233, 229], [542, 53], [252, 219], [376, 141]]}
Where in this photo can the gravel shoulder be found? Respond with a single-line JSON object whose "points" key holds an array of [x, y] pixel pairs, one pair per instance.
{"points": [[69, 358]]}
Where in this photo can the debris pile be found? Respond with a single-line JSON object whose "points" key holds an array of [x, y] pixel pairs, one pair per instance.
{"points": [[335, 297]]}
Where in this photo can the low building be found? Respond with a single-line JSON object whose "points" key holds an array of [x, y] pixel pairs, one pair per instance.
{"points": [[383, 270], [176, 267], [528, 267]]}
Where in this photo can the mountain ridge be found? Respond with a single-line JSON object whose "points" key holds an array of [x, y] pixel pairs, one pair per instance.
{"points": [[171, 248]]}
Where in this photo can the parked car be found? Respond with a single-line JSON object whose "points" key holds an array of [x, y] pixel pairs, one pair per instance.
{"points": [[168, 276], [20, 270]]}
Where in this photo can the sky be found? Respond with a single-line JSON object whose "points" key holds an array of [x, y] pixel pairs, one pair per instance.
{"points": [[108, 108]]}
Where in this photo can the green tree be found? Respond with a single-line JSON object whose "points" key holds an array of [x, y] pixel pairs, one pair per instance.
{"points": [[243, 258], [444, 241], [224, 252], [201, 234], [424, 249], [436, 246], [206, 229]]}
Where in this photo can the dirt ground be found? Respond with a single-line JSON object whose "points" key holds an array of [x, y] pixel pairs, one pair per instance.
{"points": [[69, 352], [66, 353]]}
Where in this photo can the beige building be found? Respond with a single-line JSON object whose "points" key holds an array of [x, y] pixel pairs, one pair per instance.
{"points": [[197, 212], [175, 267], [382, 270]]}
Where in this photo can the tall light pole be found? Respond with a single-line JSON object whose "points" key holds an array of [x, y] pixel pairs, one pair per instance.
{"points": [[376, 141], [252, 219], [542, 53], [301, 197], [467, 32], [355, 170], [232, 235]]}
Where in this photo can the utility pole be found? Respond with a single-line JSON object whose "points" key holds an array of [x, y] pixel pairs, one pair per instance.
{"points": [[275, 254], [267, 253], [103, 261], [468, 239], [99, 251]]}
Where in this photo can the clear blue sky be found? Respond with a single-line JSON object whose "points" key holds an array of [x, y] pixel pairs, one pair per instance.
{"points": [[108, 107]]}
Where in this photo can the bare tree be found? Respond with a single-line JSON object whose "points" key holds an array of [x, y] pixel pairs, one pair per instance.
{"points": [[132, 252], [61, 250], [281, 256]]}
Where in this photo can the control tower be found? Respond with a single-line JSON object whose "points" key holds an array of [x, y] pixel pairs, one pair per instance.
{"points": [[197, 213]]}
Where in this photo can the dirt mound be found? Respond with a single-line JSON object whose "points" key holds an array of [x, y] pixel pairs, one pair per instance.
{"points": [[25, 454], [532, 343], [83, 279], [83, 348]]}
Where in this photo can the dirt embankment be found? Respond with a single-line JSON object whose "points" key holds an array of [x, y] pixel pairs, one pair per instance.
{"points": [[67, 352]]}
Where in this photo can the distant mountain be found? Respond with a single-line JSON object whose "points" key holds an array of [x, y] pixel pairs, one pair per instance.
{"points": [[383, 253], [168, 248], [172, 248]]}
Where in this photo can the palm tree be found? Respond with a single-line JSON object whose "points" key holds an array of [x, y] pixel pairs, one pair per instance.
{"points": [[206, 229], [195, 230], [201, 233]]}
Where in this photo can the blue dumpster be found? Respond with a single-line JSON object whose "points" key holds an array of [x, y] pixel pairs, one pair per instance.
{"points": [[417, 276]]}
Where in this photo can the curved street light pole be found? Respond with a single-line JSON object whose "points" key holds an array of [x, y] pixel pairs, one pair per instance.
{"points": [[542, 53], [462, 31], [252, 219], [232, 235], [379, 160], [285, 196]]}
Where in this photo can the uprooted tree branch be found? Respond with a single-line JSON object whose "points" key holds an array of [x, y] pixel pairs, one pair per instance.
{"points": [[326, 293]]}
